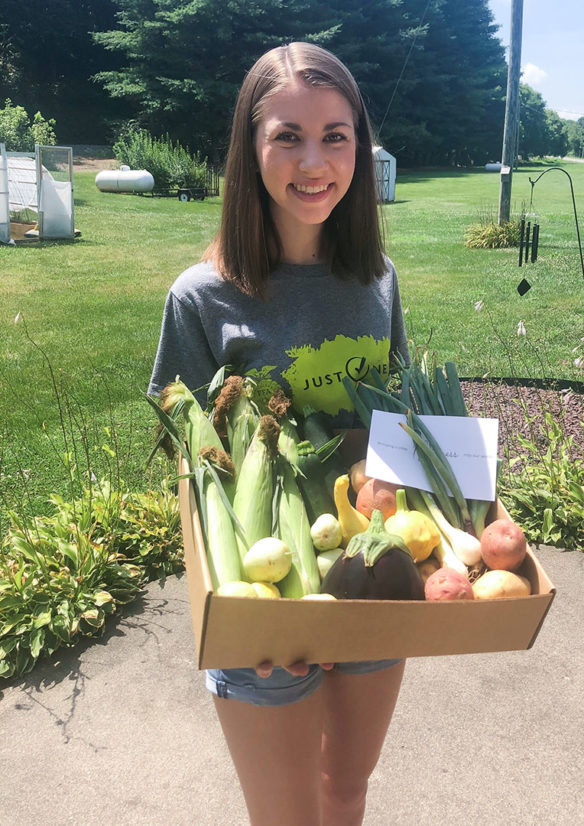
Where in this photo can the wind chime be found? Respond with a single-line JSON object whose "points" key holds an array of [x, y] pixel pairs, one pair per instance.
{"points": [[528, 242], [528, 238], [529, 231], [528, 246]]}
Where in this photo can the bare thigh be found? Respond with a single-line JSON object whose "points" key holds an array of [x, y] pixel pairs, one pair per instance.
{"points": [[276, 753], [357, 713]]}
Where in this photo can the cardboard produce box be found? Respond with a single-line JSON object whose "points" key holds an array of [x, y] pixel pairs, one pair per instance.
{"points": [[237, 632]]}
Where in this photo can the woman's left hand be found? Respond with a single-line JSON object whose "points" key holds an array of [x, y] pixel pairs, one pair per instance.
{"points": [[297, 669]]}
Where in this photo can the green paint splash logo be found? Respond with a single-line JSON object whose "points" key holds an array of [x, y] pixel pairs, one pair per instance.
{"points": [[316, 374]]}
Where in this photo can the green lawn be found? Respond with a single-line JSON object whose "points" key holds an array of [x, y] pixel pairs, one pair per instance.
{"points": [[94, 307], [441, 280]]}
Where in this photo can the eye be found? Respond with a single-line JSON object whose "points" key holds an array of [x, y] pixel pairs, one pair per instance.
{"points": [[286, 137], [335, 137]]}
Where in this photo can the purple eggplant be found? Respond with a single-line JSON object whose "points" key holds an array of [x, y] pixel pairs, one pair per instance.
{"points": [[374, 565]]}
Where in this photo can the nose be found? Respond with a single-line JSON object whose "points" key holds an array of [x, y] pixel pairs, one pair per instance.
{"points": [[313, 158]]}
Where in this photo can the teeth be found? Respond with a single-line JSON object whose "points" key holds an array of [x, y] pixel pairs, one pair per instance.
{"points": [[310, 190]]}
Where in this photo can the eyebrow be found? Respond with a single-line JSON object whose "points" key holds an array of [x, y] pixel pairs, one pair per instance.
{"points": [[327, 127]]}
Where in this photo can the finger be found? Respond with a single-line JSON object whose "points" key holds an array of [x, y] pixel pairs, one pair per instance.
{"points": [[327, 666], [264, 669]]}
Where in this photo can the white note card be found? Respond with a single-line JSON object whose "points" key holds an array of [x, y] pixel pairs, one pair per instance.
{"points": [[468, 442]]}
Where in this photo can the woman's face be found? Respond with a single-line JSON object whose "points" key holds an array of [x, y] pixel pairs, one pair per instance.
{"points": [[305, 147]]}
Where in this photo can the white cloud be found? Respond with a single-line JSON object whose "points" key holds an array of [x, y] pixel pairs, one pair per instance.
{"points": [[533, 75], [569, 115]]}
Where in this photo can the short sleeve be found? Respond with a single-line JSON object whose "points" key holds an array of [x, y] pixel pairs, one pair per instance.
{"points": [[183, 350]]}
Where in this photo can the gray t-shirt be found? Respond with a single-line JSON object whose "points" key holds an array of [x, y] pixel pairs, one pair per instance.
{"points": [[312, 330]]}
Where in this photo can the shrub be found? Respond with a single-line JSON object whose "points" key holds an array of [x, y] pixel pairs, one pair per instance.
{"points": [[19, 134], [170, 164], [492, 235], [62, 575], [42, 130], [546, 495]]}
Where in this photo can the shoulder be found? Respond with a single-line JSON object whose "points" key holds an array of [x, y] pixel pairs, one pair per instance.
{"points": [[389, 269], [202, 283], [198, 277], [386, 283]]}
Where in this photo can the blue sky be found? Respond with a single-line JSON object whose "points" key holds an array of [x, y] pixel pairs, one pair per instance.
{"points": [[552, 51]]}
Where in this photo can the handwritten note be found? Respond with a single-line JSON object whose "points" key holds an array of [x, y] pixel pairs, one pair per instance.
{"points": [[468, 442]]}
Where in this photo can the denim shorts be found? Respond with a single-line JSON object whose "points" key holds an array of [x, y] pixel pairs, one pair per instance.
{"points": [[280, 688]]}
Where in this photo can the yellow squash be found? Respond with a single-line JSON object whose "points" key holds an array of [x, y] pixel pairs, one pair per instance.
{"points": [[417, 530], [351, 521]]}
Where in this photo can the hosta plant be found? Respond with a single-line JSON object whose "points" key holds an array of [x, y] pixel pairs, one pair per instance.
{"points": [[546, 495], [61, 576]]}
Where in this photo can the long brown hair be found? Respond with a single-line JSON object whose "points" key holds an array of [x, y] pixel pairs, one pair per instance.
{"points": [[247, 248]]}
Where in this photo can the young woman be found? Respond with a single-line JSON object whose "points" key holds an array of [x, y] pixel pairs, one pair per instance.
{"points": [[295, 287]]}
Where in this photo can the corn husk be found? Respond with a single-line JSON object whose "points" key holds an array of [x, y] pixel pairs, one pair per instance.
{"points": [[293, 528], [254, 487]]}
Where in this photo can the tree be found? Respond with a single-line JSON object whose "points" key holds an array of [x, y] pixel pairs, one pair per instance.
{"points": [[557, 134], [47, 57], [458, 89], [533, 130], [432, 78], [575, 137], [382, 43], [184, 61]]}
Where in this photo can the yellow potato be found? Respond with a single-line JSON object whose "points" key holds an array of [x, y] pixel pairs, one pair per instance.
{"points": [[498, 584]]}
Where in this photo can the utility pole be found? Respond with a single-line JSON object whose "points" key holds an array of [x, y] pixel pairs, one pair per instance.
{"points": [[511, 130]]}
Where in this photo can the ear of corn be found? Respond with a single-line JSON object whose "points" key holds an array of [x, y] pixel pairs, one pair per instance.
{"points": [[279, 405], [220, 541], [242, 425], [293, 528], [254, 489], [199, 430], [288, 441], [236, 416]]}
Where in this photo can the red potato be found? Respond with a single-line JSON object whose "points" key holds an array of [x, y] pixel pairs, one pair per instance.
{"points": [[376, 495], [503, 545], [447, 584]]}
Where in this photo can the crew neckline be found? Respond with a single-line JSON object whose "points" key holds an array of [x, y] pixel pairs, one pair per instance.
{"points": [[286, 268]]}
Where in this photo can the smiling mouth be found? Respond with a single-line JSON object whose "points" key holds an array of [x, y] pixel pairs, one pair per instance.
{"points": [[311, 190]]}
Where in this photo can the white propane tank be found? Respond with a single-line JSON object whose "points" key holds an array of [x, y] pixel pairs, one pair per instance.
{"points": [[124, 180], [493, 167]]}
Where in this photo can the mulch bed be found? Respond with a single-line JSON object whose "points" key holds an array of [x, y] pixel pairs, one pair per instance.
{"points": [[521, 410]]}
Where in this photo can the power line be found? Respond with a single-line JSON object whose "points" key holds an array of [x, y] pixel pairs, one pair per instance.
{"points": [[404, 66]]}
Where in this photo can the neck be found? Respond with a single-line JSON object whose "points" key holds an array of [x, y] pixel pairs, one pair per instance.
{"points": [[301, 243], [301, 256]]}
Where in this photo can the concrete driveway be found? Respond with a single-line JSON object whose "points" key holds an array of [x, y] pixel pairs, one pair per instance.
{"points": [[122, 731]]}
